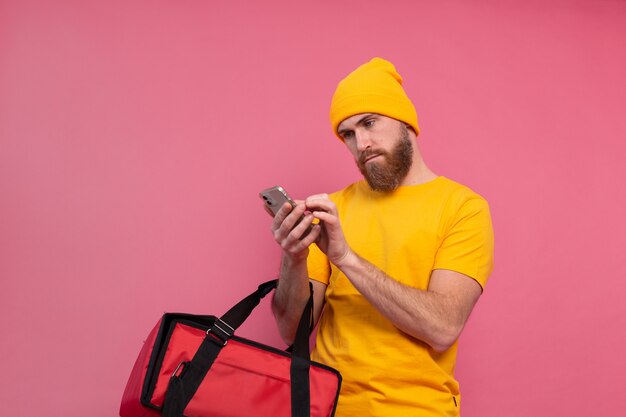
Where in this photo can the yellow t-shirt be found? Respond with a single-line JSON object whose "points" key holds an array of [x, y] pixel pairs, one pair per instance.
{"points": [[407, 234]]}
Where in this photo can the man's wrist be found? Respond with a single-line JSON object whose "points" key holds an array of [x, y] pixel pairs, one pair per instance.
{"points": [[348, 258], [290, 259]]}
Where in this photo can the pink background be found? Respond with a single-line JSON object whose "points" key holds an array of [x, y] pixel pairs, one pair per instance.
{"points": [[135, 136]]}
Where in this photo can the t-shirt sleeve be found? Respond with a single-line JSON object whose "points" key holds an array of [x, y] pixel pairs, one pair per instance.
{"points": [[318, 266], [467, 245]]}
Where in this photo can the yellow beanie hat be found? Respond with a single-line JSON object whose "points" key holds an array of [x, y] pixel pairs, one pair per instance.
{"points": [[374, 87]]}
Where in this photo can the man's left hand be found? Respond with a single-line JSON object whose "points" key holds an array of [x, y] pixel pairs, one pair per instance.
{"points": [[331, 240]]}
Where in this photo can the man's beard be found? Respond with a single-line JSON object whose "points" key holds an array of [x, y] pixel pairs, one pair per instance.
{"points": [[387, 175]]}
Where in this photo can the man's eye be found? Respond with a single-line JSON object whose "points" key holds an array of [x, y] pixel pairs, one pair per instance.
{"points": [[369, 123], [347, 135]]}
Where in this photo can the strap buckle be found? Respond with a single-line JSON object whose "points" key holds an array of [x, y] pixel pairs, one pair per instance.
{"points": [[219, 332]]}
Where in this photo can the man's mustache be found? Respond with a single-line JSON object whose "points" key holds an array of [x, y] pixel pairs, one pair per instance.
{"points": [[368, 153]]}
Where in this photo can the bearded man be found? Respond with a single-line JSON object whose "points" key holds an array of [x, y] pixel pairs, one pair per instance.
{"points": [[397, 261]]}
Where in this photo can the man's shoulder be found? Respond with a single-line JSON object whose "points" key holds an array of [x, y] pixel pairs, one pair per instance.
{"points": [[459, 198], [457, 190], [347, 191]]}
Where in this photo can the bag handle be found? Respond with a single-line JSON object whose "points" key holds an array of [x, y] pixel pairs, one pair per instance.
{"points": [[182, 387]]}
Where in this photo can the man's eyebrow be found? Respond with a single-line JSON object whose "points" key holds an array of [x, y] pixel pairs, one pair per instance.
{"points": [[362, 119], [359, 122]]}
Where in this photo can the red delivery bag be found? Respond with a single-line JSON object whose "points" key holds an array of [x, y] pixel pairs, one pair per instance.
{"points": [[194, 366]]}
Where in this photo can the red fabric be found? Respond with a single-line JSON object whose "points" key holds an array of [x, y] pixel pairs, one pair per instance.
{"points": [[131, 404], [243, 381], [246, 381], [183, 344]]}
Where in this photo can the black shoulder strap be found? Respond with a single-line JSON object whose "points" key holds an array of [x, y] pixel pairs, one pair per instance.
{"points": [[301, 362]]}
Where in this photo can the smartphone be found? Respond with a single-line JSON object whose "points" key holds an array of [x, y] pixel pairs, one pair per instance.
{"points": [[274, 198]]}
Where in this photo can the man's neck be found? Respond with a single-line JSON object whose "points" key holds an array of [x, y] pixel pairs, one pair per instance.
{"points": [[419, 172]]}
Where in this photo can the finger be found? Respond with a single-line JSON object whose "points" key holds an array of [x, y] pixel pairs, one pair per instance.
{"points": [[308, 239], [320, 203], [282, 230], [322, 196], [298, 239], [294, 217], [301, 228], [326, 217], [312, 236], [297, 232], [316, 197], [281, 215]]}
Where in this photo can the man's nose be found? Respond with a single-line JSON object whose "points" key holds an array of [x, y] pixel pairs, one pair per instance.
{"points": [[363, 140]]}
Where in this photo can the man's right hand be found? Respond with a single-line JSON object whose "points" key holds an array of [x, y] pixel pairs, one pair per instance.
{"points": [[293, 238]]}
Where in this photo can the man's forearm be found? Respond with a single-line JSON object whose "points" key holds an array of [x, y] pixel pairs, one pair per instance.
{"points": [[428, 316], [291, 295]]}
